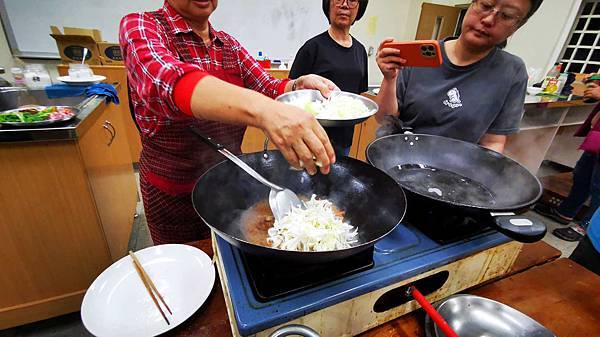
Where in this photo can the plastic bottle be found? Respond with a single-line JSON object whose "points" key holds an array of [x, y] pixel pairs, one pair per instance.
{"points": [[263, 60], [550, 84], [36, 76], [18, 76], [555, 71]]}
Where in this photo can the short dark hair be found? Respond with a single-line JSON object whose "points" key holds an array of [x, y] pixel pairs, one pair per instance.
{"points": [[535, 4], [362, 7]]}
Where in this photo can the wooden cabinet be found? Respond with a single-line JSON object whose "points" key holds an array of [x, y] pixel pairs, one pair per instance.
{"points": [[279, 73], [105, 153], [364, 134], [118, 74], [67, 211]]}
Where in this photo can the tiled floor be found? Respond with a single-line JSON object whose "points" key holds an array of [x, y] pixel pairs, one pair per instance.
{"points": [[71, 325]]}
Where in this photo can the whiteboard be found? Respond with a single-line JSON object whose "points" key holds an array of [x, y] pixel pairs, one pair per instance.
{"points": [[276, 27]]}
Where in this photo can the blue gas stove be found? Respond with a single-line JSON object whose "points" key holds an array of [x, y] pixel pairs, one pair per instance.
{"points": [[404, 253]]}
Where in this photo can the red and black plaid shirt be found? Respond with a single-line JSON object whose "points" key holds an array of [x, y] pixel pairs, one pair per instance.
{"points": [[170, 154]]}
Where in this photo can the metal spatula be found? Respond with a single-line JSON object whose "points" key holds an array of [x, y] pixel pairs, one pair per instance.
{"points": [[281, 200]]}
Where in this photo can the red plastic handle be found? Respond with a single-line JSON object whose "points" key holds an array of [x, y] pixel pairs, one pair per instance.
{"points": [[435, 316]]}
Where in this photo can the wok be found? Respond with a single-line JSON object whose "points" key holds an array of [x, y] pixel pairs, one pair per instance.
{"points": [[372, 201], [461, 177]]}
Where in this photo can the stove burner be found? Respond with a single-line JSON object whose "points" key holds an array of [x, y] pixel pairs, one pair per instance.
{"points": [[447, 228], [271, 278]]}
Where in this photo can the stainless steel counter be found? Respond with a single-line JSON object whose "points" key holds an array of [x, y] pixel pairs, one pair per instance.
{"points": [[10, 99]]}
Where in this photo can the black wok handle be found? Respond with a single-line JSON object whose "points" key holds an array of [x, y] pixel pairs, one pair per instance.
{"points": [[520, 228], [208, 140]]}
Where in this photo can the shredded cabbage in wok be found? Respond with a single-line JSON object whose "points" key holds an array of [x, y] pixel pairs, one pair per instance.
{"points": [[314, 228]]}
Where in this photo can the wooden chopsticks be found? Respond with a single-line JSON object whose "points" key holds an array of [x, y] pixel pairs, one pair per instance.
{"points": [[150, 286]]}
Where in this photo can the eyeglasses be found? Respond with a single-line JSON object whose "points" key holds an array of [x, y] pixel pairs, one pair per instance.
{"points": [[506, 16], [351, 3]]}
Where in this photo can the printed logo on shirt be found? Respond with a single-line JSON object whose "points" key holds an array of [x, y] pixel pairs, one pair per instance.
{"points": [[453, 100]]}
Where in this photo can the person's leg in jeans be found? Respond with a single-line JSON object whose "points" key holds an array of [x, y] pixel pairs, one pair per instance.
{"points": [[580, 191], [587, 166]]}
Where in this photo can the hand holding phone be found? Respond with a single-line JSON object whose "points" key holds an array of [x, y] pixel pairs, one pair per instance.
{"points": [[389, 60], [420, 53]]}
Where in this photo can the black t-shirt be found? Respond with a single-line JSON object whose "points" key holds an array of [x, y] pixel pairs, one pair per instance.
{"points": [[346, 67]]}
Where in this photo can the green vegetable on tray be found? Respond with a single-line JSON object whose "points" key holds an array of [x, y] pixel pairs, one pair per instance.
{"points": [[27, 115]]}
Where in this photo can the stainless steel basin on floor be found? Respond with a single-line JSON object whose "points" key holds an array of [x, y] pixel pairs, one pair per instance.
{"points": [[474, 316], [14, 97]]}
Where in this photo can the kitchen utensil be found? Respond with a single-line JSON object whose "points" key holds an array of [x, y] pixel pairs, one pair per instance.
{"points": [[450, 176], [372, 201], [116, 305], [474, 316], [281, 200]]}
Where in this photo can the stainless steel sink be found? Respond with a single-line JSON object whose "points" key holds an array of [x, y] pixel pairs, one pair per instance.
{"points": [[14, 97], [474, 316]]}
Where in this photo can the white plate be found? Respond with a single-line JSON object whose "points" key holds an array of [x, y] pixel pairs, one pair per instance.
{"points": [[117, 303], [80, 81]]}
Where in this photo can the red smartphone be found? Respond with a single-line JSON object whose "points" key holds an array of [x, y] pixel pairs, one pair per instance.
{"points": [[420, 53]]}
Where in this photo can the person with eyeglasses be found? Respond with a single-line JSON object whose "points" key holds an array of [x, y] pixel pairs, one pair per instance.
{"points": [[339, 57], [476, 95]]}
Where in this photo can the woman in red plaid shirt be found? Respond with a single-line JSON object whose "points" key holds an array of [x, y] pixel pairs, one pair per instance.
{"points": [[182, 71]]}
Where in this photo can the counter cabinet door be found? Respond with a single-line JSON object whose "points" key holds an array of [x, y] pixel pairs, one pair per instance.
{"points": [[105, 151]]}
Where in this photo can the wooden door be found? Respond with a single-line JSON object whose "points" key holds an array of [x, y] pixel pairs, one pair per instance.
{"points": [[437, 21]]}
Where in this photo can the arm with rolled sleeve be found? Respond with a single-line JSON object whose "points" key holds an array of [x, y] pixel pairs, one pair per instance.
{"points": [[155, 67]]}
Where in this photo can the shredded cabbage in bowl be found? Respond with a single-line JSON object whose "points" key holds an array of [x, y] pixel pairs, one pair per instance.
{"points": [[337, 107], [315, 228]]}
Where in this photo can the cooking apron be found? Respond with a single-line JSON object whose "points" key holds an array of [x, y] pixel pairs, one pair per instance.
{"points": [[173, 157]]}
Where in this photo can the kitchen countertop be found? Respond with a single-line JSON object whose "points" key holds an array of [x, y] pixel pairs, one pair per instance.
{"points": [[64, 131], [69, 130], [212, 320]]}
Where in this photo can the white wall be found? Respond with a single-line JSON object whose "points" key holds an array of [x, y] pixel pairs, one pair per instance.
{"points": [[388, 18], [383, 18], [537, 43], [7, 60], [540, 40]]}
